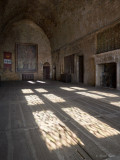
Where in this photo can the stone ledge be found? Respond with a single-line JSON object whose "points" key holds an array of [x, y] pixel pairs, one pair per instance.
{"points": [[107, 57]]}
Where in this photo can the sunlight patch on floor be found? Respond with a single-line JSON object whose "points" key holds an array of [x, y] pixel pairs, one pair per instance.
{"points": [[90, 95], [90, 123], [67, 89], [78, 88], [41, 82], [27, 91], [32, 82], [115, 103], [33, 100], [41, 90], [104, 94], [53, 98], [54, 132]]}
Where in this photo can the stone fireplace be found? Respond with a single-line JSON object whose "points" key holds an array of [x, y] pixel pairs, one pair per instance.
{"points": [[108, 69]]}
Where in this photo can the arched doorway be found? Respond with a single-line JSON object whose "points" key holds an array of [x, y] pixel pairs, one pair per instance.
{"points": [[46, 71]]}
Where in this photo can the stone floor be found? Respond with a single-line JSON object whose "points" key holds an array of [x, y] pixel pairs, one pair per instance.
{"points": [[58, 121]]}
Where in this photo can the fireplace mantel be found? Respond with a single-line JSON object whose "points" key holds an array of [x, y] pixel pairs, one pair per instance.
{"points": [[108, 57]]}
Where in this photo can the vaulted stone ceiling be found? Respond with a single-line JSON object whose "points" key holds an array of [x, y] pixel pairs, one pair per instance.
{"points": [[45, 13], [37, 10]]}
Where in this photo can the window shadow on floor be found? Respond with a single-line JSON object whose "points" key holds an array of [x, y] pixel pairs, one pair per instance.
{"points": [[43, 118]]}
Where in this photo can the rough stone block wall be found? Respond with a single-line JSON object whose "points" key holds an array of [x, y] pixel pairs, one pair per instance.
{"points": [[77, 32], [84, 47], [89, 17], [24, 31]]}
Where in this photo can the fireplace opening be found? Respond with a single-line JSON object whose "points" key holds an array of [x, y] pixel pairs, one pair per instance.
{"points": [[109, 75]]}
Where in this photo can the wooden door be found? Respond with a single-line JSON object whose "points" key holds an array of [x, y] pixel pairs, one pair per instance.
{"points": [[81, 69], [46, 71]]}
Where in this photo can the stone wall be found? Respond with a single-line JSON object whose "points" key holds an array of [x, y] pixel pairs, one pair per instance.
{"points": [[84, 47], [78, 22], [77, 32], [24, 31]]}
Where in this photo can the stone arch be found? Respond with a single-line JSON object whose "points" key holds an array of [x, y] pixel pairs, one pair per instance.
{"points": [[25, 32], [46, 64]]}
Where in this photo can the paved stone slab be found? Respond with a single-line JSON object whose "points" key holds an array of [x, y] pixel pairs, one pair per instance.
{"points": [[113, 158], [51, 121]]}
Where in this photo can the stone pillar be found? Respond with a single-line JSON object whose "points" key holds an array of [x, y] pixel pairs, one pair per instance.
{"points": [[51, 71], [118, 75], [76, 69], [97, 76], [99, 70]]}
